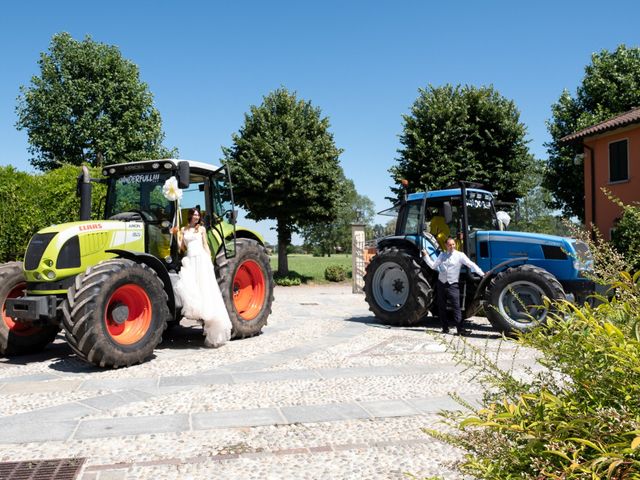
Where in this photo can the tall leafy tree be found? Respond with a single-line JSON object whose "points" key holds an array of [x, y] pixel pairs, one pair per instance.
{"points": [[611, 85], [88, 105], [327, 237], [286, 166], [464, 133]]}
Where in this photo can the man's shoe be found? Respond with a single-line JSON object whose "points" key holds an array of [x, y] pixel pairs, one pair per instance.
{"points": [[463, 332], [445, 330]]}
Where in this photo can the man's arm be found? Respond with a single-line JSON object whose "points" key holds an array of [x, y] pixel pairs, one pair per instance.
{"points": [[466, 261], [432, 264]]}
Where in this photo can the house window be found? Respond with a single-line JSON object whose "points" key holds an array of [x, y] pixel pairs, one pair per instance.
{"points": [[618, 161]]}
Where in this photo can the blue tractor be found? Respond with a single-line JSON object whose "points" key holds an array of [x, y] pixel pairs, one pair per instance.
{"points": [[523, 268]]}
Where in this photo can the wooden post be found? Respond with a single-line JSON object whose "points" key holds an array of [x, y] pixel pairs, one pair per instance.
{"points": [[357, 257]]}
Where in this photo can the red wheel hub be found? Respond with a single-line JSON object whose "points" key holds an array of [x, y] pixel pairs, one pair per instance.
{"points": [[249, 290], [128, 314], [17, 328]]}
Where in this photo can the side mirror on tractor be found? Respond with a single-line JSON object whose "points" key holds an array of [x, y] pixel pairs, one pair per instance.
{"points": [[183, 174]]}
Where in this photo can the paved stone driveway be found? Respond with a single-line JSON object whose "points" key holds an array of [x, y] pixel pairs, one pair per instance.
{"points": [[324, 393]]}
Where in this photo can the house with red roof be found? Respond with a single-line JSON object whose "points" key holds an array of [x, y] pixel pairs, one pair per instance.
{"points": [[611, 160]]}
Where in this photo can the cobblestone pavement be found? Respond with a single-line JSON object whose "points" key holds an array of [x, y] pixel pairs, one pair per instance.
{"points": [[324, 392]]}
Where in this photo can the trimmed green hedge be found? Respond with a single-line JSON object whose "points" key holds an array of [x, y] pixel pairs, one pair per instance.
{"points": [[35, 201]]}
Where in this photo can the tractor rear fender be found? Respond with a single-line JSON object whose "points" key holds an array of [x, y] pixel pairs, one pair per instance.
{"points": [[244, 233], [401, 243], [157, 266]]}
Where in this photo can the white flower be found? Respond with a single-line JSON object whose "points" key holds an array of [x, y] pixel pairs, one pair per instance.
{"points": [[170, 189]]}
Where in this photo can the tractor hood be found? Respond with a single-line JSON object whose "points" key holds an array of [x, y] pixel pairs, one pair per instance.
{"points": [[544, 250], [62, 251]]}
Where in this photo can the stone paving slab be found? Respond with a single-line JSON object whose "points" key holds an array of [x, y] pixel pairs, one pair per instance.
{"points": [[119, 383], [324, 413], [41, 387], [389, 408], [237, 418], [117, 427], [16, 433]]}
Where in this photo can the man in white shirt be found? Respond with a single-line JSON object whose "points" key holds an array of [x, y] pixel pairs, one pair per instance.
{"points": [[448, 265]]}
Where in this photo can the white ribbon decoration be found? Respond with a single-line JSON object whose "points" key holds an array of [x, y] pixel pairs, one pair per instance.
{"points": [[172, 193]]}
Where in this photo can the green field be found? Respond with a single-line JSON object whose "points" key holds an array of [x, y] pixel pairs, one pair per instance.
{"points": [[312, 268]]}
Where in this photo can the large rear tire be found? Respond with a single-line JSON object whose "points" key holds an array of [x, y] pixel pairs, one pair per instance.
{"points": [[515, 298], [396, 288], [115, 313], [246, 283], [19, 338]]}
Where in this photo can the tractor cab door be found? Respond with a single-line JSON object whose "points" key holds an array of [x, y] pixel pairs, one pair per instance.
{"points": [[224, 214]]}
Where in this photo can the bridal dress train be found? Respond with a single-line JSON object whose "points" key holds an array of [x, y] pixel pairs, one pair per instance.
{"points": [[199, 291]]}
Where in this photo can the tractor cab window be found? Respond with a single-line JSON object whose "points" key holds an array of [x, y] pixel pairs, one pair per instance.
{"points": [[194, 196], [222, 196], [411, 220], [224, 214], [139, 196], [480, 211], [435, 221]]}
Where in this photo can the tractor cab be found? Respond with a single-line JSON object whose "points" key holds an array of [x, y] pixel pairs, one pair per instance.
{"points": [[427, 219], [135, 194]]}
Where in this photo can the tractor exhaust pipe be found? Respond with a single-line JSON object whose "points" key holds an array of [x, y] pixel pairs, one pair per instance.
{"points": [[84, 192]]}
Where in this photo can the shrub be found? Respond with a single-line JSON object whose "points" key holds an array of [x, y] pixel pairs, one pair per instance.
{"points": [[626, 237], [577, 418], [287, 281], [335, 273], [290, 280]]}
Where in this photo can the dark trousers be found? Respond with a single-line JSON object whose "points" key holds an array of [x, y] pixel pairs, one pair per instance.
{"points": [[451, 292]]}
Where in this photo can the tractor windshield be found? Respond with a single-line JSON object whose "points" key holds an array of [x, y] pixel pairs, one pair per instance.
{"points": [[140, 193], [480, 211]]}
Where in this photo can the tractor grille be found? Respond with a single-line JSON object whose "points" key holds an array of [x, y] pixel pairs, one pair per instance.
{"points": [[36, 248], [56, 469], [69, 256]]}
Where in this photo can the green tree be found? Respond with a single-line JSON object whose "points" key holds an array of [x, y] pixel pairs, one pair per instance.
{"points": [[531, 212], [326, 238], [88, 105], [464, 133], [286, 166], [611, 85]]}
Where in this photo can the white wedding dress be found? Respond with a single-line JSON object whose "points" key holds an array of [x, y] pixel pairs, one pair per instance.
{"points": [[199, 291]]}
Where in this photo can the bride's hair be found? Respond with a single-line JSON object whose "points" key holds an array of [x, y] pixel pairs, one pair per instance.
{"points": [[190, 216]]}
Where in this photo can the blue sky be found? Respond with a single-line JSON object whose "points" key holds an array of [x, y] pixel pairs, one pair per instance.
{"points": [[360, 62]]}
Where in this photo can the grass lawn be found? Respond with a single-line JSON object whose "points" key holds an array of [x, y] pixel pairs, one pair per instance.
{"points": [[311, 268]]}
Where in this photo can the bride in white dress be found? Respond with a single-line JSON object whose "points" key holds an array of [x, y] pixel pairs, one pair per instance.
{"points": [[197, 286]]}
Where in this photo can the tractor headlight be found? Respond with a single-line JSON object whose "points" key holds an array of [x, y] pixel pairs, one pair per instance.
{"points": [[583, 259], [50, 274]]}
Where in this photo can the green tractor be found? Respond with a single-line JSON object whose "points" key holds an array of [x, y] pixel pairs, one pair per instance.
{"points": [[110, 283]]}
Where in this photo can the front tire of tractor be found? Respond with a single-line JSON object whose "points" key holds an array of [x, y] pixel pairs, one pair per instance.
{"points": [[396, 288], [115, 313], [246, 283], [19, 338], [515, 298]]}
